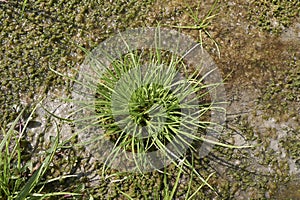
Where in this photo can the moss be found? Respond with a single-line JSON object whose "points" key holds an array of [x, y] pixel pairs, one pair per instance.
{"points": [[47, 34], [274, 16], [282, 91], [291, 143]]}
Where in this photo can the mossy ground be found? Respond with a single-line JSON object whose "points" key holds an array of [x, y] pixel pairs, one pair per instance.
{"points": [[274, 16], [263, 88]]}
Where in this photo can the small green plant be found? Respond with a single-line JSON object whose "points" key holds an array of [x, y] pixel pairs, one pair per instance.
{"points": [[201, 23], [142, 110], [18, 178]]}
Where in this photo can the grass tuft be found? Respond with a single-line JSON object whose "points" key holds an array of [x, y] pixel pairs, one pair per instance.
{"points": [[143, 110], [18, 179], [201, 24]]}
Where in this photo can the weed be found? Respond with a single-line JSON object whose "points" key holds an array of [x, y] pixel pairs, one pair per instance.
{"points": [[18, 178], [201, 24], [141, 111]]}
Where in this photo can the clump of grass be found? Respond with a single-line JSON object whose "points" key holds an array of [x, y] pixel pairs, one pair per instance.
{"points": [[19, 179], [147, 119], [143, 110], [150, 109]]}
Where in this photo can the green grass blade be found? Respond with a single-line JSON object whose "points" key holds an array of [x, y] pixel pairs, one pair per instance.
{"points": [[12, 127], [33, 181]]}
